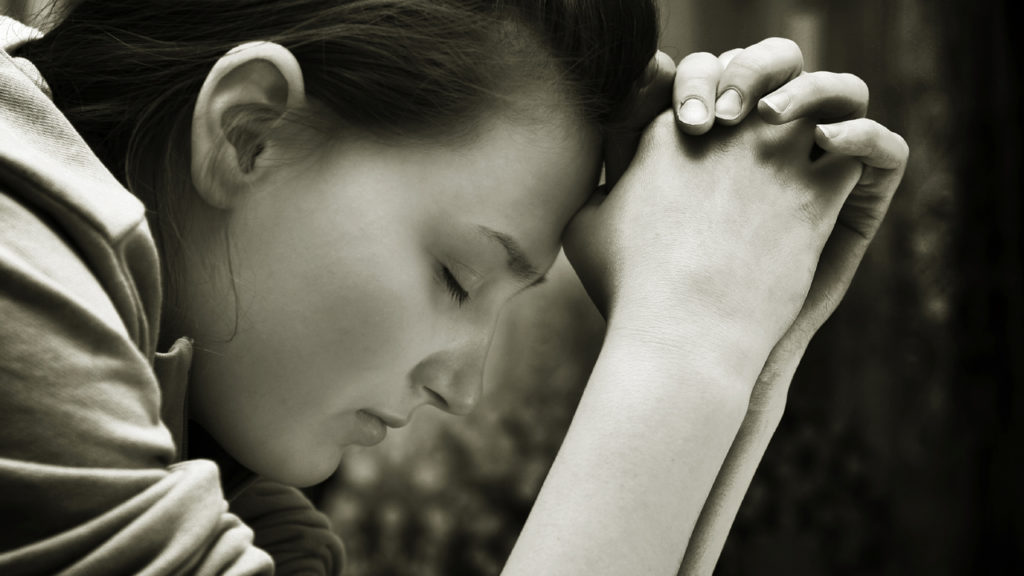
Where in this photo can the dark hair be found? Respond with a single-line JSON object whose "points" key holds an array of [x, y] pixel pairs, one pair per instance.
{"points": [[126, 73]]}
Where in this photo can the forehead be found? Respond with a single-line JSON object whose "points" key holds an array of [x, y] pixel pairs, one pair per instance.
{"points": [[527, 175], [524, 173]]}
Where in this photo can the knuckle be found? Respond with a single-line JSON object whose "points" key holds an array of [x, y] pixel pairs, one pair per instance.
{"points": [[744, 67], [781, 44], [697, 57], [726, 58], [730, 54], [700, 67], [768, 56], [816, 82], [785, 47]]}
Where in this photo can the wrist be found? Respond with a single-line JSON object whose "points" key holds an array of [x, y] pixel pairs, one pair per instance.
{"points": [[726, 353]]}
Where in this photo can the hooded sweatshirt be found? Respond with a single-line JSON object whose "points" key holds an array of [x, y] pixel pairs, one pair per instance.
{"points": [[99, 473]]}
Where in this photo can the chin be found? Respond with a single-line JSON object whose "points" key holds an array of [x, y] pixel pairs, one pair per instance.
{"points": [[301, 468]]}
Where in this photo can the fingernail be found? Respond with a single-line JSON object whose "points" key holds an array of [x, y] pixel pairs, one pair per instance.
{"points": [[693, 112], [778, 101], [728, 105], [829, 131]]}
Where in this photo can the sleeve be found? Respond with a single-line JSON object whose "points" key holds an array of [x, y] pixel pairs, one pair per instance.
{"points": [[86, 481], [287, 526]]}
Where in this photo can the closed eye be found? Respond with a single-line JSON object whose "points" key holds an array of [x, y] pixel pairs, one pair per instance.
{"points": [[457, 292]]}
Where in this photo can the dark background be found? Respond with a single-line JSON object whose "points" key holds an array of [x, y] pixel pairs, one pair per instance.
{"points": [[899, 450]]}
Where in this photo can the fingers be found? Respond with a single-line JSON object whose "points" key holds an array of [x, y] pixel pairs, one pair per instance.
{"points": [[727, 56], [695, 89], [819, 95], [753, 72], [728, 89], [863, 138], [884, 155]]}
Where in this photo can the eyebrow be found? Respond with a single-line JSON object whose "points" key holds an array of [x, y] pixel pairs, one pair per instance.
{"points": [[517, 262]]}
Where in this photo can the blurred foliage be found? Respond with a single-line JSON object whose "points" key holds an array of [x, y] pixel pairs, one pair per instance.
{"points": [[891, 443]]}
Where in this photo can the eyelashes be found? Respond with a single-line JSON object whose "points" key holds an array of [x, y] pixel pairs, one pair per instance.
{"points": [[460, 295], [457, 292]]}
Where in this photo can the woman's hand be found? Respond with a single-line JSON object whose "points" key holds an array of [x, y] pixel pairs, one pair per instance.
{"points": [[838, 98], [710, 244], [884, 155], [694, 89], [725, 88], [705, 89], [768, 75], [772, 65]]}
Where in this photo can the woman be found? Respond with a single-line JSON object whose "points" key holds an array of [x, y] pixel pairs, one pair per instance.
{"points": [[342, 196]]}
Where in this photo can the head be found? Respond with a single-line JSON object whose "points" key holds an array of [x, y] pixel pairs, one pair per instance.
{"points": [[345, 194]]}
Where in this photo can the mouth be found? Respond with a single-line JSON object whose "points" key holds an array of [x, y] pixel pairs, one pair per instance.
{"points": [[389, 420], [371, 430], [373, 426]]}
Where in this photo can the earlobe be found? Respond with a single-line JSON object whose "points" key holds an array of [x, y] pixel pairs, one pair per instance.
{"points": [[245, 94]]}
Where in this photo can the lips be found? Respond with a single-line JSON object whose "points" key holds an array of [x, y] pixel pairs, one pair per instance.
{"points": [[389, 420], [371, 429]]}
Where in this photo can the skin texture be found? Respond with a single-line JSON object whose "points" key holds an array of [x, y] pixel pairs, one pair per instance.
{"points": [[338, 254]]}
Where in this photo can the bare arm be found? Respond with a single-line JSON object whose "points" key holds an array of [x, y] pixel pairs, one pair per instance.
{"points": [[699, 83], [701, 257], [676, 418], [636, 466], [885, 157]]}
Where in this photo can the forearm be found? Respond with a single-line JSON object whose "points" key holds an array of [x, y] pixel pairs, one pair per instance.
{"points": [[637, 464], [765, 411]]}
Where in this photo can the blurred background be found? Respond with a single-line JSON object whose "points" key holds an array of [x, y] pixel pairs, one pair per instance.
{"points": [[899, 452]]}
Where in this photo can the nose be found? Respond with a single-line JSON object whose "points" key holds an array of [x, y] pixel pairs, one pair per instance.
{"points": [[458, 394], [453, 379]]}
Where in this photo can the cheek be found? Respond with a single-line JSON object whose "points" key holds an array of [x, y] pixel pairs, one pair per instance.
{"points": [[346, 320], [322, 332], [362, 330]]}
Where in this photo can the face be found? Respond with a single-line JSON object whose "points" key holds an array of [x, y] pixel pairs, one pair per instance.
{"points": [[369, 278]]}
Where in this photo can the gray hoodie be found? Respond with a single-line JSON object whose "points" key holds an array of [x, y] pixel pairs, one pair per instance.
{"points": [[95, 468]]}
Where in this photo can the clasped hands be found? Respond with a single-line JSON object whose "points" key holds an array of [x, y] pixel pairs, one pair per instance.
{"points": [[732, 234]]}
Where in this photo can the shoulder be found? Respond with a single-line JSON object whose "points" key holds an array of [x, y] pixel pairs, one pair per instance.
{"points": [[79, 291], [70, 212]]}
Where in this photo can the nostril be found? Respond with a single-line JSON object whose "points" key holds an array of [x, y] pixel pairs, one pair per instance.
{"points": [[452, 397], [449, 382], [438, 400]]}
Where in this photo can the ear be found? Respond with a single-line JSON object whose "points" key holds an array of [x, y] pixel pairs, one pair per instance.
{"points": [[248, 90]]}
